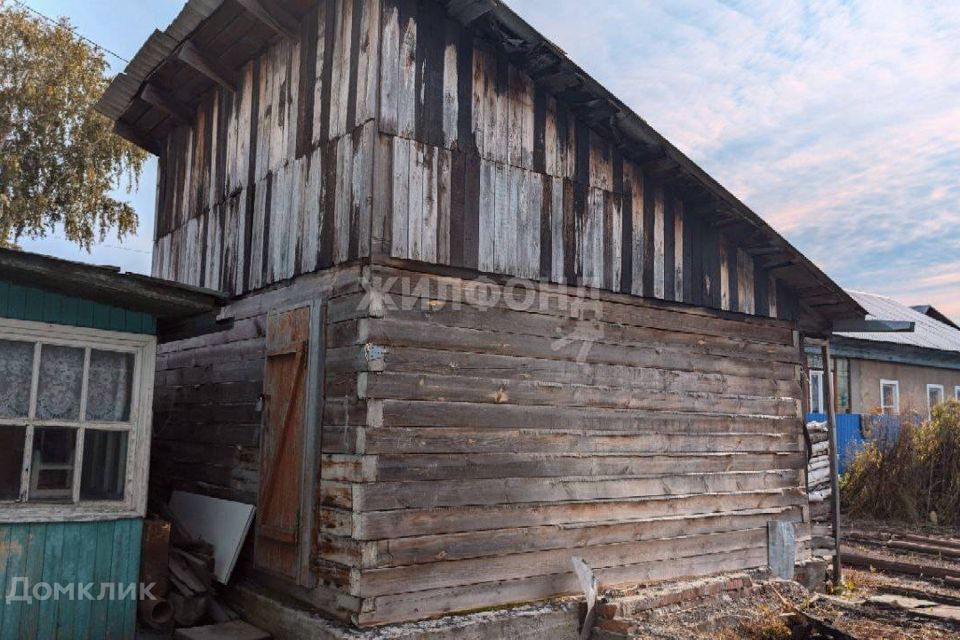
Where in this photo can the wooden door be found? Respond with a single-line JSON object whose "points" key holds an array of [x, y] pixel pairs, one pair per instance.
{"points": [[279, 539]]}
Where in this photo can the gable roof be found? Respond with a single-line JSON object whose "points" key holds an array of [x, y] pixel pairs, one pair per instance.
{"points": [[928, 333], [936, 314], [230, 32], [160, 298]]}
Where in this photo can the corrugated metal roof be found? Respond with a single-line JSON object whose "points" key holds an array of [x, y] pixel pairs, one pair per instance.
{"points": [[929, 332], [151, 55]]}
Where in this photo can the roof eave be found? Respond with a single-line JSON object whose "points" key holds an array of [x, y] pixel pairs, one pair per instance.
{"points": [[160, 298]]}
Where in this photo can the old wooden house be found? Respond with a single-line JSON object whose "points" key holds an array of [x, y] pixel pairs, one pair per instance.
{"points": [[484, 317]]}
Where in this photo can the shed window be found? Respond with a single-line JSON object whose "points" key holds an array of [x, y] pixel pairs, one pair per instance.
{"points": [[816, 392], [934, 397], [890, 397], [74, 420]]}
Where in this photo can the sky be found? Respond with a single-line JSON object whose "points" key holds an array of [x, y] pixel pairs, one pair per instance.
{"points": [[838, 121]]}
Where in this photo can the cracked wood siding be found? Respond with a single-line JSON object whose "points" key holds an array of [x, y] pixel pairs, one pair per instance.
{"points": [[488, 453]]}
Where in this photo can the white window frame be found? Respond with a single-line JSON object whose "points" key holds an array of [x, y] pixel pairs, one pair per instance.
{"points": [[943, 398], [896, 393], [956, 392], [134, 502], [817, 373]]}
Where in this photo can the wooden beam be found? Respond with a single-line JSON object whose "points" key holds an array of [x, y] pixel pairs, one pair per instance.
{"points": [[189, 54], [161, 99], [136, 136], [828, 399], [873, 326], [277, 18]]}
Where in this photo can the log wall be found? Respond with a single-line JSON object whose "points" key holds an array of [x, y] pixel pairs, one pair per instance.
{"points": [[497, 442], [389, 129], [207, 417]]}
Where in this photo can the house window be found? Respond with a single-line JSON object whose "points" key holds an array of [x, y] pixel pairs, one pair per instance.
{"points": [[934, 397], [74, 421], [816, 392], [956, 392], [842, 368], [890, 397]]}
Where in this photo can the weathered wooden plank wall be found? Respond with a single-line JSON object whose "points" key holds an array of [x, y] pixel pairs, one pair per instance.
{"points": [[479, 167], [274, 180], [70, 555], [492, 446], [389, 129]]}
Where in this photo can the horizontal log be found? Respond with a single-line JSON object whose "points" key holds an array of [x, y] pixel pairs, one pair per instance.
{"points": [[457, 546], [244, 371], [389, 385], [400, 413], [566, 438], [389, 468], [585, 349], [905, 545], [559, 299], [512, 367], [865, 561], [438, 316], [395, 608], [237, 331], [446, 574], [382, 496], [252, 349], [379, 525]]}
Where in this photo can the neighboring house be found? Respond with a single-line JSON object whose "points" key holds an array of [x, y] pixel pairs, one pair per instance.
{"points": [[403, 199], [77, 348], [891, 373]]}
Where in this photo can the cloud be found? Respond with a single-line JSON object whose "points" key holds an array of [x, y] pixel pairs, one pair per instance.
{"points": [[837, 121]]}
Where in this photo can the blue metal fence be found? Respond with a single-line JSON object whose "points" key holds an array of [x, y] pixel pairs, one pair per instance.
{"points": [[854, 430]]}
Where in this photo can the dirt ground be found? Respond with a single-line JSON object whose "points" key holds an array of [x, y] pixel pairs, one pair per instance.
{"points": [[870, 605]]}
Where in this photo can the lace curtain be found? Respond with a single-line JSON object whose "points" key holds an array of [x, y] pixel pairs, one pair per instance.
{"points": [[110, 386], [16, 370], [61, 380]]}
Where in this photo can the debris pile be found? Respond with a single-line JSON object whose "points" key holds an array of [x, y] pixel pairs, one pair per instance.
{"points": [[190, 547]]}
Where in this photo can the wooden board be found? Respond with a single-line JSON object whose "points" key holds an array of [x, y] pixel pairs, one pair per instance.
{"points": [[222, 523]]}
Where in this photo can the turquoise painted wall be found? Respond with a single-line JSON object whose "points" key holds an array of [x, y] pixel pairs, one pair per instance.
{"points": [[27, 303], [69, 553]]}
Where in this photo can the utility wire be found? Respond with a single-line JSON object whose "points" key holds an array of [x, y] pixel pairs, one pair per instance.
{"points": [[72, 30]]}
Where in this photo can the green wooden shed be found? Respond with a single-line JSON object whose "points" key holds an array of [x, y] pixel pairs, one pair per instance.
{"points": [[77, 352]]}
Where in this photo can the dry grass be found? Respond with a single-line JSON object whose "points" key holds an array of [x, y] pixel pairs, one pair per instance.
{"points": [[914, 479], [767, 624]]}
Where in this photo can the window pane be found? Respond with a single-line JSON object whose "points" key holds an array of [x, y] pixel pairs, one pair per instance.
{"points": [[935, 396], [16, 372], [61, 376], [843, 384], [816, 393], [104, 465], [51, 467], [888, 399], [109, 386], [11, 461]]}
